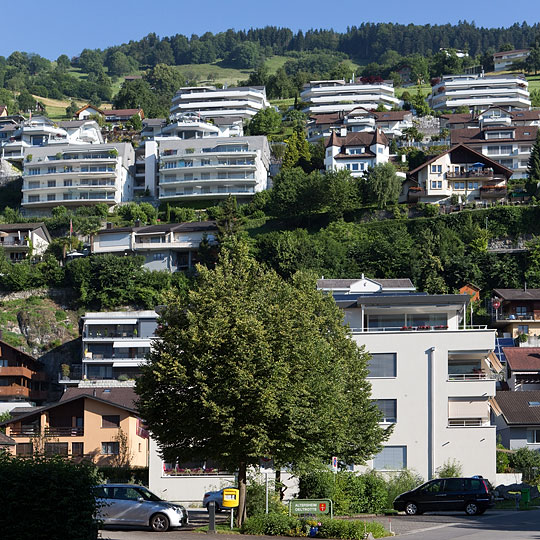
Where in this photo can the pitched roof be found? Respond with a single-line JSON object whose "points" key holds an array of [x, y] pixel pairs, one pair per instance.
{"points": [[89, 106], [399, 283], [330, 118], [504, 53], [391, 115], [358, 138], [523, 358], [476, 135], [21, 226], [121, 112], [6, 441], [122, 396], [516, 408], [517, 294], [3, 345], [72, 123], [476, 155]]}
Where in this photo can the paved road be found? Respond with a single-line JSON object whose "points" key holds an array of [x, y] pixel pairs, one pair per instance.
{"points": [[494, 525]]}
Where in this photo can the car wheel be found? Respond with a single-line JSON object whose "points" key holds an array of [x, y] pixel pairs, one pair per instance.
{"points": [[471, 509], [159, 523], [411, 509]]}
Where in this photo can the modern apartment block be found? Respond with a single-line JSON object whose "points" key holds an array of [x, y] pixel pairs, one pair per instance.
{"points": [[505, 59], [211, 102], [356, 152], [77, 175], [212, 168], [459, 171], [115, 344], [432, 375], [24, 240], [170, 247], [40, 131], [477, 92], [331, 96]]}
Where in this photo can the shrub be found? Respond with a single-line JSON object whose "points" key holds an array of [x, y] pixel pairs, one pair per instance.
{"points": [[256, 499], [449, 469], [47, 497], [527, 462], [403, 481], [273, 525]]}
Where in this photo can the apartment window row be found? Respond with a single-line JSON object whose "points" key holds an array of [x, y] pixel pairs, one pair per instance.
{"points": [[502, 149], [500, 135], [460, 186], [70, 197], [356, 166], [69, 169], [57, 448]]}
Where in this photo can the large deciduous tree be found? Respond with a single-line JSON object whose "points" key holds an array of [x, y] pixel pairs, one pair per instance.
{"points": [[382, 185], [250, 365]]}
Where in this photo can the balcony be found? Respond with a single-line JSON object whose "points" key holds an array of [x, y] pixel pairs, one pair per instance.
{"points": [[30, 431], [493, 192], [414, 194], [474, 173], [507, 316], [468, 422], [436, 328]]}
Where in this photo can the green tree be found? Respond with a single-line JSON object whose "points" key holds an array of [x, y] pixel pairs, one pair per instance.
{"points": [[264, 367], [533, 167], [265, 122], [72, 109], [136, 122], [137, 93], [26, 101], [382, 185], [297, 152], [118, 64], [63, 62]]}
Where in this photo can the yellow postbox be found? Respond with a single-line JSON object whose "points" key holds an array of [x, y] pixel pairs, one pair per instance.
{"points": [[230, 498]]}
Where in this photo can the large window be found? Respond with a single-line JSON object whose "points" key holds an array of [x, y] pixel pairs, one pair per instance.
{"points": [[110, 448], [388, 408], [56, 449], [24, 449], [383, 365], [395, 322], [392, 458], [533, 436]]}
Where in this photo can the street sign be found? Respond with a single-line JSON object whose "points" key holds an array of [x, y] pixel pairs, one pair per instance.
{"points": [[334, 464], [266, 465], [311, 507]]}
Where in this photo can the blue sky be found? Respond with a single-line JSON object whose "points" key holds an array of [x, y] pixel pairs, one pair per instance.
{"points": [[53, 27]]}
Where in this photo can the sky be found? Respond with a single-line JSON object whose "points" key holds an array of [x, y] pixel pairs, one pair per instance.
{"points": [[54, 27]]}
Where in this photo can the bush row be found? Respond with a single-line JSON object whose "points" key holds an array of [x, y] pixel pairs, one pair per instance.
{"points": [[283, 525]]}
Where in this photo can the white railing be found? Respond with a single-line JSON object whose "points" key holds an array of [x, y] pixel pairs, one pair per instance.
{"points": [[468, 422], [481, 376], [436, 328]]}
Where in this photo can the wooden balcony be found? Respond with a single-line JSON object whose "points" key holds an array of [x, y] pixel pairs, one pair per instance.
{"points": [[474, 173], [22, 371], [493, 192]]}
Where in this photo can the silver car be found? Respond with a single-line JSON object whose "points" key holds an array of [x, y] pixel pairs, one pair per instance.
{"points": [[129, 504]]}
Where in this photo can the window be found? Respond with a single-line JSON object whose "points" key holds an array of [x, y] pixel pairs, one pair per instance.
{"points": [[110, 448], [68, 183], [435, 486], [388, 408], [33, 172], [392, 458], [436, 184], [436, 169], [533, 436], [24, 449], [110, 421], [460, 186], [51, 170], [33, 198], [472, 185], [158, 256], [51, 183], [51, 197], [68, 168], [77, 449], [453, 484], [506, 149], [523, 329], [383, 365], [521, 311], [355, 166], [56, 449], [3, 362]]}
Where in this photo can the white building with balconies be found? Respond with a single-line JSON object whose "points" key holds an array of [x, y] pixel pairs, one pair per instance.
{"points": [[477, 92], [505, 59], [77, 175], [211, 102], [432, 375], [330, 96], [212, 168], [116, 343]]}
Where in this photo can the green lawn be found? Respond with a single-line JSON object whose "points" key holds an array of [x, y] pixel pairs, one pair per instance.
{"points": [[426, 90]]}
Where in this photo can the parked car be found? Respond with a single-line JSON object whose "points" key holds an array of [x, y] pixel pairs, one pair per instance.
{"points": [[216, 496], [473, 495], [129, 504]]}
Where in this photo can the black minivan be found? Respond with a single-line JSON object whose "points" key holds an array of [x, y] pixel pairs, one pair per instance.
{"points": [[445, 494]]}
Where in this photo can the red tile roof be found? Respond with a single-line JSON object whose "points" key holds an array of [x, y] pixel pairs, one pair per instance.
{"points": [[359, 138], [476, 135], [523, 358]]}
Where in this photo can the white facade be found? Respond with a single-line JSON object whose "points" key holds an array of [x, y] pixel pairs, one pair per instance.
{"points": [[432, 377], [504, 60], [168, 247], [116, 343], [24, 240], [77, 175], [41, 131], [337, 95], [212, 102], [477, 92], [356, 152], [212, 168]]}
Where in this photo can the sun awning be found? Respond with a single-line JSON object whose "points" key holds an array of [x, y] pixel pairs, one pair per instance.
{"points": [[131, 343], [473, 408], [110, 321]]}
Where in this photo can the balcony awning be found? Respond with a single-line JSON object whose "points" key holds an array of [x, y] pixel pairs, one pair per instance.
{"points": [[131, 343], [110, 321], [470, 408]]}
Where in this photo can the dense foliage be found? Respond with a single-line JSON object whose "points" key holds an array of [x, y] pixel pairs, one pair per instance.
{"points": [[47, 497]]}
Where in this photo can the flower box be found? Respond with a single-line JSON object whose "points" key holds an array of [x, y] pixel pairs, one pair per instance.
{"points": [[424, 327], [406, 328]]}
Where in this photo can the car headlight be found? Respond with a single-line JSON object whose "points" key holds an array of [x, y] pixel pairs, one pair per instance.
{"points": [[180, 510]]}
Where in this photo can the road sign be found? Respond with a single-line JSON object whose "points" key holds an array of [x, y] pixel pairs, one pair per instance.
{"points": [[311, 507], [334, 464]]}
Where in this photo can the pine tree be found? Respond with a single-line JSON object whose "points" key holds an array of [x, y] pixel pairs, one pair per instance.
{"points": [[533, 167]]}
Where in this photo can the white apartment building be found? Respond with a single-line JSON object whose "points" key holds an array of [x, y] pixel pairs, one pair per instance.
{"points": [[504, 60], [356, 152], [477, 92], [432, 376], [40, 131], [77, 175], [211, 102], [459, 171], [170, 246], [337, 95], [212, 168], [116, 343]]}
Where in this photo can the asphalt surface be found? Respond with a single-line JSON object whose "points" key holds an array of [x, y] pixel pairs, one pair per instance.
{"points": [[493, 525]]}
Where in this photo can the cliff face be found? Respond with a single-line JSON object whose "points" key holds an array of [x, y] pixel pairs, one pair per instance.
{"points": [[41, 326]]}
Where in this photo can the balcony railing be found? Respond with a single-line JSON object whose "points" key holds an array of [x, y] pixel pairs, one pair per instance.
{"points": [[30, 431], [436, 328], [482, 173], [466, 422], [474, 376], [527, 316]]}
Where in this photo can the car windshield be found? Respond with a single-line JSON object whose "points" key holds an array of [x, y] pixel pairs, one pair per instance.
{"points": [[148, 495]]}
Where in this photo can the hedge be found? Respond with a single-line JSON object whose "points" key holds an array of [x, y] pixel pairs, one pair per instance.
{"points": [[46, 498]]}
